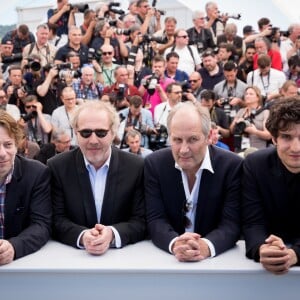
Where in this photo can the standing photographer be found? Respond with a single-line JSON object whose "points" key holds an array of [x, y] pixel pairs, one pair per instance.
{"points": [[248, 126], [37, 125]]}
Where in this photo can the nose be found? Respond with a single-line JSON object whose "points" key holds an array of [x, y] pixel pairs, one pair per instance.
{"points": [[93, 138], [184, 148], [295, 146], [2, 151]]}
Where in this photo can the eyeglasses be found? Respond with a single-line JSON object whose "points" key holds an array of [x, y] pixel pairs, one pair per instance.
{"points": [[107, 53], [193, 80], [100, 133], [30, 106], [183, 36], [186, 208]]}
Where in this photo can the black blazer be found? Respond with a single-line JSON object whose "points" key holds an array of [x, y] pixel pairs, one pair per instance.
{"points": [[218, 208], [73, 202], [266, 207], [28, 207]]}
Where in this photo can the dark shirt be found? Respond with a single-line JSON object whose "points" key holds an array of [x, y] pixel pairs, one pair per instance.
{"points": [[62, 22], [62, 52], [17, 42], [179, 76], [208, 81], [202, 40]]}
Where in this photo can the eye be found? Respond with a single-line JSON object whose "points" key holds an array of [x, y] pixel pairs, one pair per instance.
{"points": [[285, 136]]}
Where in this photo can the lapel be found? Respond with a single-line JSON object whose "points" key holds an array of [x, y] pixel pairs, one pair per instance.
{"points": [[85, 190]]}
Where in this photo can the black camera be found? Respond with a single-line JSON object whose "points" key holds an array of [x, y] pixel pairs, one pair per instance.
{"points": [[114, 10], [12, 59], [231, 16], [120, 31], [29, 116], [82, 7], [33, 65], [93, 54], [225, 103], [185, 86], [150, 38], [63, 66], [158, 140], [121, 92], [151, 83], [240, 127]]}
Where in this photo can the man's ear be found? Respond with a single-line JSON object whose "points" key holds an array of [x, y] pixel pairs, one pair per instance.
{"points": [[274, 140]]}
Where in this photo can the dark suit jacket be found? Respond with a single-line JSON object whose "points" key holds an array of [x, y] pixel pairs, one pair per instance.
{"points": [[218, 208], [266, 208], [73, 202], [28, 207]]}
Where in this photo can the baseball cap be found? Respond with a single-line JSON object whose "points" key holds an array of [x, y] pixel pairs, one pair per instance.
{"points": [[248, 29]]}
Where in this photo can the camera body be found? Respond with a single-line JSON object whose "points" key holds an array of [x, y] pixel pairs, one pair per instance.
{"points": [[29, 116], [82, 7], [93, 54], [151, 83], [158, 140]]}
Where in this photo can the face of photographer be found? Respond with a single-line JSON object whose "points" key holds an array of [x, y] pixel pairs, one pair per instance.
{"points": [[175, 95], [158, 68], [121, 76], [134, 143]]}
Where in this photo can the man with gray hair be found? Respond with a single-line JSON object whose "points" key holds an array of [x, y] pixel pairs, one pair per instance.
{"points": [[199, 35], [199, 216], [97, 189]]}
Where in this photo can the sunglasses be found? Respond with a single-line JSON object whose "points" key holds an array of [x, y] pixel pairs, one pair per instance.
{"points": [[100, 133], [30, 106], [193, 80], [106, 53]]}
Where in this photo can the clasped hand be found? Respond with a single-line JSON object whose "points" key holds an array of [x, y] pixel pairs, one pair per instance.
{"points": [[190, 247], [97, 240]]}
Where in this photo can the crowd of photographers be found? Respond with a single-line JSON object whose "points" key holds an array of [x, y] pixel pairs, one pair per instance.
{"points": [[144, 65]]}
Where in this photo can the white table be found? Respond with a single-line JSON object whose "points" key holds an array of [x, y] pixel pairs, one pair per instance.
{"points": [[141, 271]]}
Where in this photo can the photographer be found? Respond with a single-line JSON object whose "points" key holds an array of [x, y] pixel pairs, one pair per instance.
{"points": [[62, 17], [104, 34], [11, 109], [153, 87], [37, 125], [148, 17], [88, 26], [172, 71], [138, 118], [248, 126], [87, 88], [199, 36], [48, 90], [121, 88]]}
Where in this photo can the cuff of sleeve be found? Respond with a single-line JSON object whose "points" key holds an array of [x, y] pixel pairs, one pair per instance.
{"points": [[78, 240], [210, 246], [116, 243], [171, 244]]}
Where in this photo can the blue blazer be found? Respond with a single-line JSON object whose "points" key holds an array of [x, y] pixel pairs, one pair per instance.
{"points": [[218, 209]]}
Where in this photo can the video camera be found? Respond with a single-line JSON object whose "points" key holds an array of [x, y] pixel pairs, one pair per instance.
{"points": [[82, 7]]}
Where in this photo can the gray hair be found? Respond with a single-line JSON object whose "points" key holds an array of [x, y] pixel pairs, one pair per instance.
{"points": [[57, 133], [98, 106], [189, 106]]}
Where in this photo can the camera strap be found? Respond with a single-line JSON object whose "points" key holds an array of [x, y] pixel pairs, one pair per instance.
{"points": [[191, 52]]}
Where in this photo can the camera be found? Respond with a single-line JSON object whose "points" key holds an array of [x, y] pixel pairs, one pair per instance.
{"points": [[231, 16], [185, 86], [159, 139], [240, 127], [63, 66], [114, 10], [29, 116], [12, 59], [82, 7], [162, 12], [33, 65], [93, 54], [148, 38], [120, 31], [151, 83], [225, 103], [121, 92]]}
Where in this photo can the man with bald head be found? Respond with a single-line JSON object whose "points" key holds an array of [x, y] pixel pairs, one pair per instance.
{"points": [[199, 216], [108, 67]]}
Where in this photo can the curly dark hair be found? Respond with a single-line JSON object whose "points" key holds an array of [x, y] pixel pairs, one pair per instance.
{"points": [[284, 114]]}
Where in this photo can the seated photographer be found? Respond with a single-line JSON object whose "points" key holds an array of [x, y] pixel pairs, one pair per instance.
{"points": [[162, 110], [248, 126], [74, 44], [215, 137], [60, 142], [133, 140], [136, 117], [230, 91], [11, 109], [121, 88], [87, 88], [217, 115], [37, 125], [106, 35], [62, 116]]}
